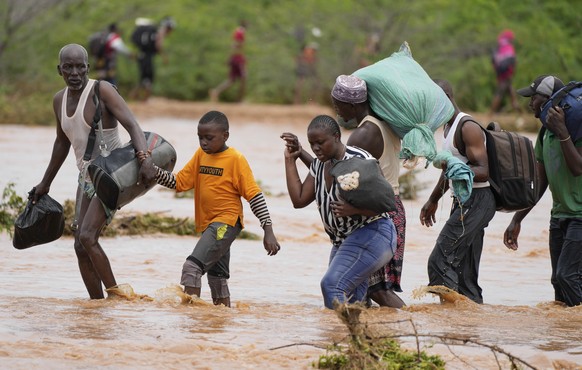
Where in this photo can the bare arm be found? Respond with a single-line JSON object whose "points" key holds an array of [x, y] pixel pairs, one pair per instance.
{"points": [[115, 108], [59, 154], [301, 193], [428, 210], [368, 137], [292, 143], [475, 150]]}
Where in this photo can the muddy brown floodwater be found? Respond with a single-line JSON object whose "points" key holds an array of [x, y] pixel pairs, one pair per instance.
{"points": [[277, 320]]}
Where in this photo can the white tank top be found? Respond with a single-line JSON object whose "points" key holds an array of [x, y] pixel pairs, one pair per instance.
{"points": [[77, 129], [449, 144], [389, 160]]}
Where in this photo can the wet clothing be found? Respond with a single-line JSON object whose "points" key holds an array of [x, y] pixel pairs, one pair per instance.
{"points": [[212, 252], [77, 129], [454, 261], [363, 251], [219, 181], [566, 219], [361, 244], [389, 276], [337, 228]]}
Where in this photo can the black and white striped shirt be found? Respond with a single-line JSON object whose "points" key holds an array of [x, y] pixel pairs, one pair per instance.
{"points": [[338, 228]]}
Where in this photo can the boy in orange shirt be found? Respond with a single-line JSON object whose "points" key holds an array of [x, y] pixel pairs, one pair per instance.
{"points": [[220, 176]]}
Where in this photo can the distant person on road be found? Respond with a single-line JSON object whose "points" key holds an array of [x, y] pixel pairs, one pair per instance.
{"points": [[504, 62], [236, 64], [306, 71], [149, 40], [107, 65]]}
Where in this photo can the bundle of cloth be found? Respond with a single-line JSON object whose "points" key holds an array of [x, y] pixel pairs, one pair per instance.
{"points": [[407, 99]]}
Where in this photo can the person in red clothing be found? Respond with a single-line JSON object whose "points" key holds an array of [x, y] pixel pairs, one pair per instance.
{"points": [[106, 66], [237, 66], [504, 63]]}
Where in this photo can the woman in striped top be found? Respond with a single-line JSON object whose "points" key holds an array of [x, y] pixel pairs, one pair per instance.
{"points": [[363, 241]]}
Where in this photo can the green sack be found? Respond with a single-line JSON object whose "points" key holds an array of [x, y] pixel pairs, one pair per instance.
{"points": [[406, 98]]}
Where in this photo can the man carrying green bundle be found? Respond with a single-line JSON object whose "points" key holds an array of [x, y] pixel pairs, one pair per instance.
{"points": [[454, 261]]}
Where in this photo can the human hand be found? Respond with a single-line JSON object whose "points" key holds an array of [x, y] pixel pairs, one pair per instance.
{"points": [[147, 172], [37, 192], [511, 234], [341, 208], [427, 213], [270, 241], [292, 146], [556, 122]]}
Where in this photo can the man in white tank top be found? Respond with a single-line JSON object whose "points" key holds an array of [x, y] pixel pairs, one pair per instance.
{"points": [[74, 110], [454, 261]]}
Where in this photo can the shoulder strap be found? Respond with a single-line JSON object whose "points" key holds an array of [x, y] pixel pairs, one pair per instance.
{"points": [[557, 98], [95, 124]]}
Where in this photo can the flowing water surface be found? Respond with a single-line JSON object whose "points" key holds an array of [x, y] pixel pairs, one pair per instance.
{"points": [[277, 319]]}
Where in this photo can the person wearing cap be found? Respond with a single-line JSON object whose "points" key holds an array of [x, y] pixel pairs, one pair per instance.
{"points": [[560, 166], [454, 260], [504, 63], [362, 240]]}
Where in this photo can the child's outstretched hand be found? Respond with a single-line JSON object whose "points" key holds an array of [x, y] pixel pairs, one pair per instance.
{"points": [[270, 241]]}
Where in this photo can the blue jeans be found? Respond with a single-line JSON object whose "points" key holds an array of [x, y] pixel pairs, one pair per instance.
{"points": [[566, 258], [360, 254]]}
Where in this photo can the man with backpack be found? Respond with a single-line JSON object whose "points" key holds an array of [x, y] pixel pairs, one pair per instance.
{"points": [[454, 261], [104, 48], [149, 40], [559, 156]]}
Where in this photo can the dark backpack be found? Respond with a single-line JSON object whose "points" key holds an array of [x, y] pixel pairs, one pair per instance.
{"points": [[513, 172], [144, 37], [504, 65], [569, 98], [97, 44]]}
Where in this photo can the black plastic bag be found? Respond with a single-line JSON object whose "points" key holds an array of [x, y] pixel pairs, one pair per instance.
{"points": [[39, 223]]}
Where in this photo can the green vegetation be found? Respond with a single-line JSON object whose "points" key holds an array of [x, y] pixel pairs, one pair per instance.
{"points": [[12, 205], [450, 39], [367, 351], [384, 354]]}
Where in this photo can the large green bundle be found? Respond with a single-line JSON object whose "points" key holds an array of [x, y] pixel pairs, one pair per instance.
{"points": [[405, 97]]}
